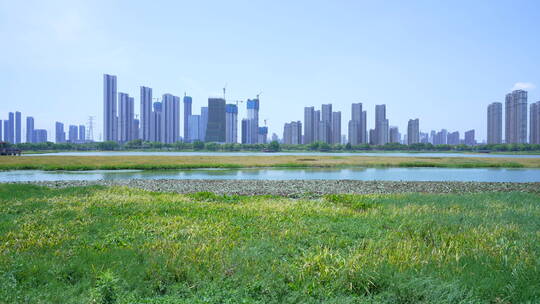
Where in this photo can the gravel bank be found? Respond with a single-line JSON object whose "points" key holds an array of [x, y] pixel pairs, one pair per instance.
{"points": [[295, 188]]}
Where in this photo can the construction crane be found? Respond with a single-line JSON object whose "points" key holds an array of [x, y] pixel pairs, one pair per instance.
{"points": [[237, 101], [259, 94], [265, 120], [224, 89]]}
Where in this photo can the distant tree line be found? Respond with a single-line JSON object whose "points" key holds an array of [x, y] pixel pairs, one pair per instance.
{"points": [[271, 147]]}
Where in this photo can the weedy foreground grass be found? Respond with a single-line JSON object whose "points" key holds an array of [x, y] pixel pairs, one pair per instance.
{"points": [[235, 162], [120, 245]]}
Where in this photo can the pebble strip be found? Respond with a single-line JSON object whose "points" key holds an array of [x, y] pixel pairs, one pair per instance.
{"points": [[300, 188]]}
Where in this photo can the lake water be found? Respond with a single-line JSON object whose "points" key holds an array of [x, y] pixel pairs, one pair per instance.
{"points": [[389, 154], [386, 174]]}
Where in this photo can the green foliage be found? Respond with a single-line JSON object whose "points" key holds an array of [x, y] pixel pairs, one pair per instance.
{"points": [[274, 146], [120, 245], [198, 145], [108, 145]]}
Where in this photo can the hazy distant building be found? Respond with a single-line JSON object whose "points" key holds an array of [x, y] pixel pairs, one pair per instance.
{"points": [[534, 137], [60, 134], [82, 133], [263, 135], [125, 117], [110, 132], [413, 131], [203, 121], [170, 120], [73, 135], [244, 129], [30, 129], [516, 117], [18, 130], [452, 138], [309, 125], [336, 128], [216, 129], [381, 125], [424, 138], [440, 138], [372, 137], [357, 132], [394, 136], [136, 129], [194, 128], [275, 137], [40, 136], [253, 118], [469, 138], [146, 113], [187, 112], [292, 133], [155, 122], [9, 128], [325, 125], [231, 122], [316, 122], [494, 123]]}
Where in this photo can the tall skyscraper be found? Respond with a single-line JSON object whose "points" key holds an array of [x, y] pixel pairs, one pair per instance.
{"points": [[40, 136], [203, 123], [534, 137], [155, 122], [30, 129], [381, 125], [194, 128], [18, 131], [364, 130], [292, 133], [263, 135], [325, 127], [245, 127], [469, 138], [231, 122], [413, 131], [309, 125], [170, 121], [136, 130], [73, 134], [393, 135], [452, 138], [60, 135], [494, 123], [9, 128], [336, 128], [216, 129], [82, 133], [125, 117], [516, 117], [253, 117], [146, 113], [356, 125], [316, 123], [187, 112], [110, 132]]}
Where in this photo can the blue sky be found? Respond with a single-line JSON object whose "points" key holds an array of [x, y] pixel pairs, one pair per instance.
{"points": [[440, 61]]}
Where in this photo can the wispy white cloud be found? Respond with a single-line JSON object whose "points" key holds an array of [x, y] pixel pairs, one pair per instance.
{"points": [[523, 86]]}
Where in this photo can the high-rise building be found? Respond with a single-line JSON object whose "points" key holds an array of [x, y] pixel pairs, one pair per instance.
{"points": [[245, 127], [187, 112], [155, 122], [60, 134], [534, 137], [82, 133], [110, 125], [231, 122], [18, 131], [363, 129], [136, 129], [40, 136], [216, 129], [203, 123], [292, 133], [9, 128], [325, 127], [194, 128], [125, 117], [381, 125], [263, 135], [413, 131], [275, 137], [394, 136], [253, 117], [336, 128], [170, 120], [357, 125], [146, 113], [309, 125], [372, 137], [452, 138], [516, 117], [30, 129], [494, 123], [469, 138], [316, 123], [73, 134]]}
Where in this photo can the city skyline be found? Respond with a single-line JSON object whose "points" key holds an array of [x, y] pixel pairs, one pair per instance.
{"points": [[426, 60]]}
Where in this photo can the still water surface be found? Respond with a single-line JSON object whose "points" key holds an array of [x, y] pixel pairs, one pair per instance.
{"points": [[387, 174]]}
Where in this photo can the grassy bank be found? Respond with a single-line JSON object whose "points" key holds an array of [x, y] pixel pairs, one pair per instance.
{"points": [[119, 245], [192, 162]]}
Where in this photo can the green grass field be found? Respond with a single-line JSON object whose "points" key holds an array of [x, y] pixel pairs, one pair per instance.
{"points": [[193, 162], [120, 245]]}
